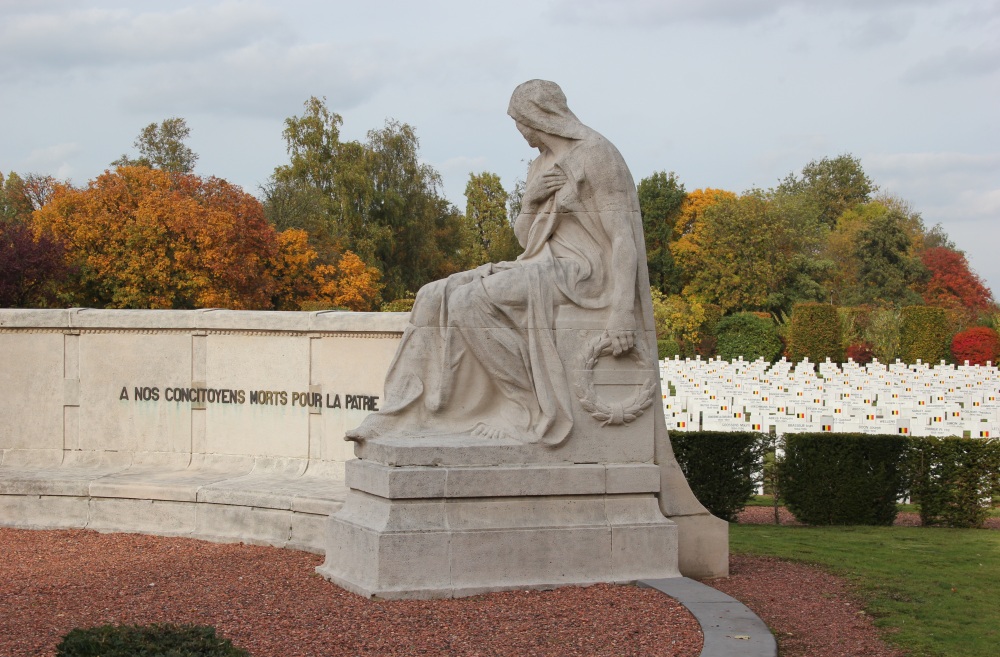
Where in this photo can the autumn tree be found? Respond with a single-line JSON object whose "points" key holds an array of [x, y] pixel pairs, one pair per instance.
{"points": [[375, 199], [754, 252], [687, 237], [32, 266], [22, 195], [162, 147], [951, 283], [143, 238], [301, 282], [661, 197], [491, 234], [831, 186]]}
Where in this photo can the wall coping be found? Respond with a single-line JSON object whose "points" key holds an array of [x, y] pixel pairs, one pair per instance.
{"points": [[204, 319]]}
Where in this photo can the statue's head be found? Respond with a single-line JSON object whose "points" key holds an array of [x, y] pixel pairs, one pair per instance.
{"points": [[541, 105]]}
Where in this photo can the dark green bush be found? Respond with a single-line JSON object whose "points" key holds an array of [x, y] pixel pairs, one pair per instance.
{"points": [[815, 333], [843, 479], [747, 335], [925, 334], [954, 479], [667, 349], [722, 468], [147, 641]]}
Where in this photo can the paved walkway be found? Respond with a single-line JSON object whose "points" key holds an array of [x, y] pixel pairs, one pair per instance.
{"points": [[729, 627]]}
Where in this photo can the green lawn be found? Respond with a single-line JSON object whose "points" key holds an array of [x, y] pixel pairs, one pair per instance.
{"points": [[937, 587]]}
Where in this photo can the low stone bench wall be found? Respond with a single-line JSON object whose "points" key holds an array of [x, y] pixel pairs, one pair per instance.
{"points": [[222, 425]]}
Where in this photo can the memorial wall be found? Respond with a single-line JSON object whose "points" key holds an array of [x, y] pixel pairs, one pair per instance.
{"points": [[175, 385]]}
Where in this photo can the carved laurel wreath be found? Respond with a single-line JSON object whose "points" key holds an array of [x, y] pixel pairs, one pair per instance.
{"points": [[613, 413]]}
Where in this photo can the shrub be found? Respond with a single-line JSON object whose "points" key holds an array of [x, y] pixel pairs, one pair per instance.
{"points": [[882, 333], [854, 324], [924, 334], [860, 353], [707, 341], [403, 305], [152, 640], [954, 479], [815, 333], [843, 479], [667, 349], [722, 468], [745, 334], [976, 345]]}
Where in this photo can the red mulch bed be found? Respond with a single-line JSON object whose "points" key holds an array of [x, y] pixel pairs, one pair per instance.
{"points": [[271, 602]]}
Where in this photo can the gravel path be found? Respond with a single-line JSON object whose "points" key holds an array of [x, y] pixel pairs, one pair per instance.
{"points": [[271, 602]]}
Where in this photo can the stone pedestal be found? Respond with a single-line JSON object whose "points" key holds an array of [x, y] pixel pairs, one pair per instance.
{"points": [[422, 531]]}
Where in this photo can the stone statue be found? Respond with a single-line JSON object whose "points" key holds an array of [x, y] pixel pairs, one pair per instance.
{"points": [[514, 448], [480, 354]]}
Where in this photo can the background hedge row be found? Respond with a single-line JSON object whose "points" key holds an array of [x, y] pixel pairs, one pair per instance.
{"points": [[844, 479]]}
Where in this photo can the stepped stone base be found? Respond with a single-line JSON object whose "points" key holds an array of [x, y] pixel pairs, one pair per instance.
{"points": [[433, 532]]}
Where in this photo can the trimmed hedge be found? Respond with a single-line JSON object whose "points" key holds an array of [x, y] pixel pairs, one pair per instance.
{"points": [[843, 479], [150, 640], [816, 333], [667, 349], [925, 334], [954, 479], [747, 335], [722, 468]]}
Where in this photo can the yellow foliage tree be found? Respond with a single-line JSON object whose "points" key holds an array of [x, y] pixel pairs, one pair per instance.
{"points": [[689, 228]]}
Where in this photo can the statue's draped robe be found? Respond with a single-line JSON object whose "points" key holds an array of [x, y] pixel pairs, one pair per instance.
{"points": [[491, 330]]}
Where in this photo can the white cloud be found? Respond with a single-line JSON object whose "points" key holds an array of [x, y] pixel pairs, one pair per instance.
{"points": [[947, 187], [53, 160], [957, 62], [261, 78], [934, 163], [655, 13], [83, 38]]}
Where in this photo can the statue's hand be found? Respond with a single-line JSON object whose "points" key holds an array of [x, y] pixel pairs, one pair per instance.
{"points": [[620, 331], [544, 186]]}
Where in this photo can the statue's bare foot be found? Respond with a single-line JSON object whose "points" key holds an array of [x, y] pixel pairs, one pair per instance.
{"points": [[490, 432], [371, 427]]}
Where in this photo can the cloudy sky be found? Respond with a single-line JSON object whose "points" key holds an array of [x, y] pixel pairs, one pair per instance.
{"points": [[726, 93]]}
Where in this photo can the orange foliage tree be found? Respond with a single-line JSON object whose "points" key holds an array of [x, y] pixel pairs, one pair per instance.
{"points": [[301, 282], [143, 238]]}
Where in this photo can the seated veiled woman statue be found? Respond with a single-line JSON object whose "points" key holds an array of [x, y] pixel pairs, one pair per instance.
{"points": [[480, 354]]}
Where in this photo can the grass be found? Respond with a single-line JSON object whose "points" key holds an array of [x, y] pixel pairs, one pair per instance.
{"points": [[933, 589]]}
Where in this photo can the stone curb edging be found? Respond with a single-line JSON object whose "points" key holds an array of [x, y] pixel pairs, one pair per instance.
{"points": [[729, 627]]}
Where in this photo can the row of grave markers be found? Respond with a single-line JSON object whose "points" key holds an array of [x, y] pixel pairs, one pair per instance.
{"points": [[919, 399]]}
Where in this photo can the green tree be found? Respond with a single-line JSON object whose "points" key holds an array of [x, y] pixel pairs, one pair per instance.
{"points": [[886, 270], [661, 196], [20, 196], [162, 147], [831, 186], [492, 236], [374, 198]]}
